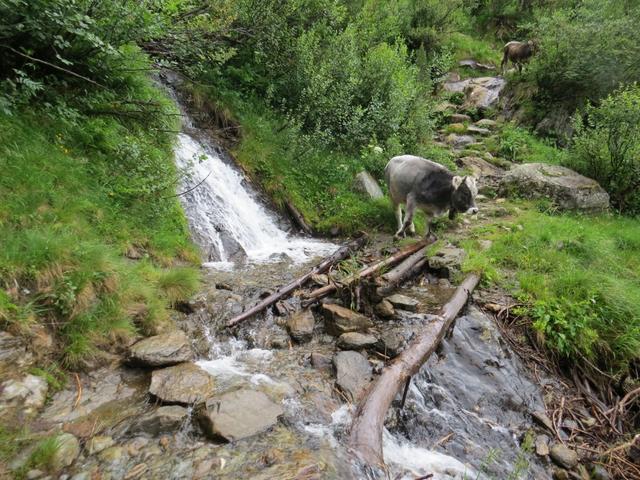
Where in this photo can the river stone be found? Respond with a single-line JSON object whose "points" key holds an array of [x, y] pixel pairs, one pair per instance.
{"points": [[320, 362], [403, 302], [164, 419], [486, 123], [459, 118], [30, 392], [599, 473], [560, 474], [563, 455], [447, 259], [67, 451], [339, 320], [542, 445], [184, 383], [366, 184], [355, 341], [99, 443], [567, 189], [353, 374], [390, 343], [162, 350], [239, 414], [543, 420], [300, 325], [385, 309]]}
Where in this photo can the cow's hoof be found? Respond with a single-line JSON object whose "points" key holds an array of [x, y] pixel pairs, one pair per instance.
{"points": [[432, 237]]}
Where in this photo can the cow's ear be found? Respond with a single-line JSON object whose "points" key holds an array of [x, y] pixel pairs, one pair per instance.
{"points": [[457, 181]]}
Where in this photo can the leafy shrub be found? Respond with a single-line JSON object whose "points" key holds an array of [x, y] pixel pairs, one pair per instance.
{"points": [[606, 146]]}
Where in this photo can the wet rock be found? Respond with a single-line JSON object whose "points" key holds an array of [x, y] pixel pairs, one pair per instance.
{"points": [[279, 341], [239, 414], [29, 393], [98, 444], [67, 451], [320, 279], [365, 183], [447, 260], [459, 118], [161, 350], [390, 343], [486, 123], [385, 309], [543, 420], [353, 374], [301, 325], [563, 455], [542, 445], [599, 473], [339, 320], [356, 341], [164, 419], [566, 188], [320, 361], [560, 474], [184, 383], [403, 302], [459, 141]]}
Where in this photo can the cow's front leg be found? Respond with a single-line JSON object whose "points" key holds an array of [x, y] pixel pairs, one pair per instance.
{"points": [[408, 217]]}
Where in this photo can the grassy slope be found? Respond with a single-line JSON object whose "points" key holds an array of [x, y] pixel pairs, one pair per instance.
{"points": [[76, 196]]}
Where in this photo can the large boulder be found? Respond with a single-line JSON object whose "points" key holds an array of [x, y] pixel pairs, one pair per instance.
{"points": [[567, 189], [161, 350], [339, 320], [366, 184], [353, 374], [184, 383], [480, 92], [239, 414]]}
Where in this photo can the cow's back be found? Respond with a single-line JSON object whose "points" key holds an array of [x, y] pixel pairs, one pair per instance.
{"points": [[404, 172]]}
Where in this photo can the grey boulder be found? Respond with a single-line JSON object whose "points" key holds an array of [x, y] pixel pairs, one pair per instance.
{"points": [[353, 374], [161, 350], [239, 414], [184, 383]]}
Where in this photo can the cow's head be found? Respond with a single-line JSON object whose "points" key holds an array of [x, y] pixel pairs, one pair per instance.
{"points": [[463, 199]]}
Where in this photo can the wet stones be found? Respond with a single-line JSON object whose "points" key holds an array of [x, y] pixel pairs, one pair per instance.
{"points": [[447, 260], [67, 451], [239, 414], [184, 383], [403, 302], [29, 393], [563, 456], [320, 362], [356, 341], [163, 419], [300, 326], [353, 374], [161, 350], [339, 320], [385, 309]]}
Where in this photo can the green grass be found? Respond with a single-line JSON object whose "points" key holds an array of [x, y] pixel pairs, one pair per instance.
{"points": [[578, 277], [76, 196], [468, 47], [519, 145]]}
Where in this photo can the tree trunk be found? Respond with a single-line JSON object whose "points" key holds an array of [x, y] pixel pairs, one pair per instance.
{"points": [[366, 429], [339, 255]]}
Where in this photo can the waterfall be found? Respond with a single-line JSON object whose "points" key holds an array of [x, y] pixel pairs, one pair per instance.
{"points": [[226, 219]]}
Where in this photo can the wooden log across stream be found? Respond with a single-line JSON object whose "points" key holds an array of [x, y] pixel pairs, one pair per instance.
{"points": [[366, 430], [339, 255]]}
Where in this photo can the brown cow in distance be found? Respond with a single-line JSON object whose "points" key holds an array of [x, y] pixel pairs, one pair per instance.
{"points": [[518, 53]]}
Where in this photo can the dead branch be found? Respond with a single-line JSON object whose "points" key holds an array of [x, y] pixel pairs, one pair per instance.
{"points": [[365, 272], [368, 423], [405, 270], [339, 255], [298, 218]]}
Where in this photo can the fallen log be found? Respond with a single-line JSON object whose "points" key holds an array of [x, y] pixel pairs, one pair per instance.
{"points": [[366, 430], [298, 218], [367, 271], [339, 255]]}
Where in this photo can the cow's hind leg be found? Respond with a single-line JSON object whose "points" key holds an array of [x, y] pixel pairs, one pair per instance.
{"points": [[398, 211], [408, 216], [430, 232]]}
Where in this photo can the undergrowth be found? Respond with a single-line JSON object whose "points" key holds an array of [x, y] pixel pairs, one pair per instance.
{"points": [[577, 278]]}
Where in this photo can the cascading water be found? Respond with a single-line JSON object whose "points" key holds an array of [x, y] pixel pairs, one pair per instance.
{"points": [[226, 219]]}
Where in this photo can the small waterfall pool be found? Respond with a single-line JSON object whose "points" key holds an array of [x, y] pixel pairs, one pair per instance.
{"points": [[226, 218]]}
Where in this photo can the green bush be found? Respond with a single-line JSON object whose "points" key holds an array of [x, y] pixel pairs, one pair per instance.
{"points": [[606, 146]]}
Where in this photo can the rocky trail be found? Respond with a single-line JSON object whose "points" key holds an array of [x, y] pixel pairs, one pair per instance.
{"points": [[274, 396]]}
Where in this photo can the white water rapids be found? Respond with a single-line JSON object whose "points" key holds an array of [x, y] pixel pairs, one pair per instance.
{"points": [[224, 216]]}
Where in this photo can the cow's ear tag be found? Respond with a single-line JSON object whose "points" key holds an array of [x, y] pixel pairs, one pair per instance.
{"points": [[457, 181]]}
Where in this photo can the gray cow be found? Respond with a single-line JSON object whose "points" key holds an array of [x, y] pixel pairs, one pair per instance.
{"points": [[421, 183]]}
